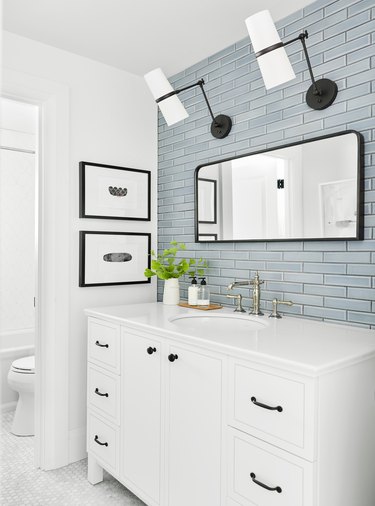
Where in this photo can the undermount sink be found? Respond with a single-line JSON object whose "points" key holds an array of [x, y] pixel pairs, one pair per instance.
{"points": [[224, 323]]}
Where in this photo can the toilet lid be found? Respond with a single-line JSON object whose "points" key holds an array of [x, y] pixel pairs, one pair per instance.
{"points": [[25, 364]]}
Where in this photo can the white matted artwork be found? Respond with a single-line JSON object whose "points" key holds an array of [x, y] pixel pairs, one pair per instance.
{"points": [[111, 192], [113, 258], [207, 237], [207, 200], [338, 208]]}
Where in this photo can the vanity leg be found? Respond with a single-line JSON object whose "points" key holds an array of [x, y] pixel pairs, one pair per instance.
{"points": [[94, 471]]}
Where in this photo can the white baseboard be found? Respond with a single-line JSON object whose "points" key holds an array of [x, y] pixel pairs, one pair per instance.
{"points": [[77, 444], [8, 406]]}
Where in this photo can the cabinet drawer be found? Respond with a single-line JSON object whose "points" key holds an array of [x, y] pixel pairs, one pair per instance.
{"points": [[103, 441], [252, 461], [254, 393], [104, 344], [103, 393]]}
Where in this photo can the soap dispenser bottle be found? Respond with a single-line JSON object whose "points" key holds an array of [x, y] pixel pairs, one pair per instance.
{"points": [[203, 294], [193, 292]]}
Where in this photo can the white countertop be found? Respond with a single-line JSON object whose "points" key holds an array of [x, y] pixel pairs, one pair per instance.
{"points": [[298, 344]]}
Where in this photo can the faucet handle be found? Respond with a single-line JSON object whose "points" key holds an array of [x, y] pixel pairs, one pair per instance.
{"points": [[257, 280], [275, 302], [238, 298]]}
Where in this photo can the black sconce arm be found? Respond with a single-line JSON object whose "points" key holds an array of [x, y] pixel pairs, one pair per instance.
{"points": [[176, 92], [302, 37], [200, 83], [221, 124], [321, 93]]}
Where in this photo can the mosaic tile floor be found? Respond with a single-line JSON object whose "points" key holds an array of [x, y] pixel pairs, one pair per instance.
{"points": [[23, 485]]}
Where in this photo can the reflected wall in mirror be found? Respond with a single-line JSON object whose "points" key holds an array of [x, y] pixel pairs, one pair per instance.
{"points": [[207, 201], [305, 190]]}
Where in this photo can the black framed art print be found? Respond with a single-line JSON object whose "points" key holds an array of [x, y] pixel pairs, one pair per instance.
{"points": [[113, 258], [114, 193], [207, 200]]}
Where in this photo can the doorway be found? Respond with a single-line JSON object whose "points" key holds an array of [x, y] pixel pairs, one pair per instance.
{"points": [[19, 133], [52, 436]]}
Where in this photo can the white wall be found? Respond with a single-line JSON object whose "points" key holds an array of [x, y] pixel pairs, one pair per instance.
{"points": [[335, 160], [212, 172], [112, 120]]}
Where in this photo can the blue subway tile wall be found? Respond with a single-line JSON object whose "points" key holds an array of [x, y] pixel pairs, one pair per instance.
{"points": [[330, 280]]}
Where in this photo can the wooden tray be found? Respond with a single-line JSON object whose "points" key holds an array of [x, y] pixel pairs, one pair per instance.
{"points": [[202, 308]]}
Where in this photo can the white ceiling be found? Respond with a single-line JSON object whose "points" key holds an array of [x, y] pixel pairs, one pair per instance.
{"points": [[138, 36]]}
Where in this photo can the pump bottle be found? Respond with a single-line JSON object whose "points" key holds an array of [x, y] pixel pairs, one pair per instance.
{"points": [[203, 294], [193, 292]]}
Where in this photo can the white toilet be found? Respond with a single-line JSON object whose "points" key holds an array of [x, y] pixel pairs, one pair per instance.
{"points": [[21, 378]]}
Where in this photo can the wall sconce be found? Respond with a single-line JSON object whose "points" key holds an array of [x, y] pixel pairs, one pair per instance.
{"points": [[274, 63], [172, 108]]}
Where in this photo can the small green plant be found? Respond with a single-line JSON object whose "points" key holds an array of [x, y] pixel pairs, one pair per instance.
{"points": [[198, 267], [167, 266]]}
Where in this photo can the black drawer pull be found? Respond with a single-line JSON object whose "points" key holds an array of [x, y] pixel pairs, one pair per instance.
{"points": [[96, 439], [151, 350], [102, 345], [272, 489], [172, 357], [99, 393], [272, 408]]}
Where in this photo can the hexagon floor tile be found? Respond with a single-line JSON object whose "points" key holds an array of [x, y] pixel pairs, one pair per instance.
{"points": [[24, 485]]}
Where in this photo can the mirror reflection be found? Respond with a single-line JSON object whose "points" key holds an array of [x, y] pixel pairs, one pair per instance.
{"points": [[307, 190]]}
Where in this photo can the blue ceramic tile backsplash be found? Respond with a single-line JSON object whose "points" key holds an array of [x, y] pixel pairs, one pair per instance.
{"points": [[331, 280]]}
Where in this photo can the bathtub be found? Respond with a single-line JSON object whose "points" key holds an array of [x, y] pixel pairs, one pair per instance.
{"points": [[13, 344]]}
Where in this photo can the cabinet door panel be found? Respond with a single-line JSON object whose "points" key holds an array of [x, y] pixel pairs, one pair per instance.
{"points": [[103, 393], [289, 396], [102, 441], [141, 413], [194, 429], [254, 465], [104, 344]]}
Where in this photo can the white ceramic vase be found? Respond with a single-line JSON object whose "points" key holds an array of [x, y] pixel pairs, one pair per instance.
{"points": [[171, 293]]}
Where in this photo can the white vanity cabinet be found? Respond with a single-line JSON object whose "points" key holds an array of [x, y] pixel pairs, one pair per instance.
{"points": [[194, 427], [273, 405], [168, 444], [103, 398], [141, 414], [271, 425], [284, 416], [311, 441]]}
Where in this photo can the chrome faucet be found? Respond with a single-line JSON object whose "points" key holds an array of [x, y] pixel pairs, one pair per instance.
{"points": [[239, 283], [275, 302], [256, 296], [256, 282], [238, 298]]}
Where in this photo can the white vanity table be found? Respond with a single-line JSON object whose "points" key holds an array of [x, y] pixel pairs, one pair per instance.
{"points": [[199, 412]]}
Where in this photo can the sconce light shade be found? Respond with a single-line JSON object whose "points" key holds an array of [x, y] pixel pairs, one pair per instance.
{"points": [[171, 108], [274, 64]]}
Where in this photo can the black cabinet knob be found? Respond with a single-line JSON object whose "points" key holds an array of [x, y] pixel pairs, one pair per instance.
{"points": [[172, 357], [151, 350]]}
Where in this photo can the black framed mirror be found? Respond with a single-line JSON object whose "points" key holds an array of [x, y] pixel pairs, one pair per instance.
{"points": [[307, 190]]}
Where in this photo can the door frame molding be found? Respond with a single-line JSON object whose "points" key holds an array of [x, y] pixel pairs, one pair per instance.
{"points": [[52, 264]]}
